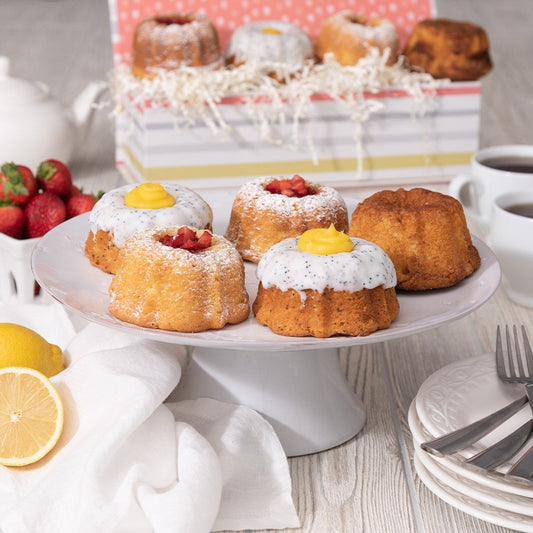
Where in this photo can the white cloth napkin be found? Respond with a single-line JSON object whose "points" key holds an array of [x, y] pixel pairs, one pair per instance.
{"points": [[127, 462]]}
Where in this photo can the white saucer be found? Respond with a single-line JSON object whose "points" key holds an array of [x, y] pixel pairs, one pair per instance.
{"points": [[469, 505], [489, 487], [465, 391]]}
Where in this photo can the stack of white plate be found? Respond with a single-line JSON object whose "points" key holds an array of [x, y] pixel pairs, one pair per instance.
{"points": [[451, 398]]}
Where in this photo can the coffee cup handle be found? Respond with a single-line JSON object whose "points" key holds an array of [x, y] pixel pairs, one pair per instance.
{"points": [[456, 188]]}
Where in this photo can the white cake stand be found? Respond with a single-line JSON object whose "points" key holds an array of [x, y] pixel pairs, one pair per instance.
{"points": [[295, 383]]}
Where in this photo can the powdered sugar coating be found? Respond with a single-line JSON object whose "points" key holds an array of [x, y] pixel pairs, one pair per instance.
{"points": [[367, 266], [291, 46], [159, 286], [326, 199], [112, 215], [170, 40], [378, 31]]}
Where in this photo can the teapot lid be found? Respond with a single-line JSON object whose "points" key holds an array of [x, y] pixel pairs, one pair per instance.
{"points": [[16, 91]]}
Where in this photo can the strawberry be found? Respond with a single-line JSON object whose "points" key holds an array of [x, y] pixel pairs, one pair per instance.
{"points": [[79, 204], [12, 220], [17, 183], [296, 186], [44, 212], [54, 176], [187, 239]]}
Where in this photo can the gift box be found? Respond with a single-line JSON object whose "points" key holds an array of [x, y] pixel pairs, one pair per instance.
{"points": [[394, 125]]}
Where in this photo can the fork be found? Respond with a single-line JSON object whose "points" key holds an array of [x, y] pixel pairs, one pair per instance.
{"points": [[461, 438], [511, 369]]}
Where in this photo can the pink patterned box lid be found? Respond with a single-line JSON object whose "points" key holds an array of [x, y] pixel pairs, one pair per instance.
{"points": [[227, 15]]}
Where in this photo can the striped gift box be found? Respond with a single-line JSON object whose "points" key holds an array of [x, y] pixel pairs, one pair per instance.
{"points": [[401, 141]]}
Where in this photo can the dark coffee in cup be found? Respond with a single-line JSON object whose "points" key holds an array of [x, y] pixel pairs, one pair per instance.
{"points": [[524, 210], [523, 165]]}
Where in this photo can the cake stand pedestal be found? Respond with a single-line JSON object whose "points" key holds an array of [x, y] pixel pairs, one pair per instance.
{"points": [[302, 393]]}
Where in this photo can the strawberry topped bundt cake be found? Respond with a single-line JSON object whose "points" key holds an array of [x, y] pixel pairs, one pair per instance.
{"points": [[180, 279], [269, 209], [125, 210], [170, 40], [325, 283]]}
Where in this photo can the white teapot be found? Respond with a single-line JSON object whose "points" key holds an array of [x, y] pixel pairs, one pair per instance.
{"points": [[35, 126]]}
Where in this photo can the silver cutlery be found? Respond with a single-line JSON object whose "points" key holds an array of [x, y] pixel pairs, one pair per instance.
{"points": [[517, 367], [463, 437]]}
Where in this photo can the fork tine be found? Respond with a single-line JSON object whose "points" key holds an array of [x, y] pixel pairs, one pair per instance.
{"points": [[513, 371], [528, 353], [518, 355], [500, 365]]}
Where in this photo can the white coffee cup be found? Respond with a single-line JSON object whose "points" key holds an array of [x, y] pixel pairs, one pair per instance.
{"points": [[493, 171], [510, 235]]}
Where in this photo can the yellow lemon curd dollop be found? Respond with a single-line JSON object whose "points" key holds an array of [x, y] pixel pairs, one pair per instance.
{"points": [[149, 196], [271, 31], [324, 241], [22, 347]]}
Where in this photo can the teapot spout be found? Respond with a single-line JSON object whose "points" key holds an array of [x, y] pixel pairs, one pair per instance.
{"points": [[83, 108]]}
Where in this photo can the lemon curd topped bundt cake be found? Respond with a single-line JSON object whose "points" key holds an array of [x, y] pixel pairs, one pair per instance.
{"points": [[349, 36], [325, 283], [424, 232], [270, 42], [171, 40], [449, 49], [125, 210], [180, 279], [269, 209]]}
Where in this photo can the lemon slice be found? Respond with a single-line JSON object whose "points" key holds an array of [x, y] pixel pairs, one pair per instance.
{"points": [[31, 416]]}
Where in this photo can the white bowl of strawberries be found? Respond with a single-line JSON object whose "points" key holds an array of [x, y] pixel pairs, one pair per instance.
{"points": [[30, 206]]}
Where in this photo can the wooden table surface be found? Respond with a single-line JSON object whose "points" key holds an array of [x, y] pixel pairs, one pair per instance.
{"points": [[367, 484]]}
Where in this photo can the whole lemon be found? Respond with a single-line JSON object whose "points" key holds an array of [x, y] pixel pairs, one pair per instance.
{"points": [[21, 346]]}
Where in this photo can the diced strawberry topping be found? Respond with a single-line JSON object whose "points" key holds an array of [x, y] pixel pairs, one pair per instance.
{"points": [[187, 239], [296, 186]]}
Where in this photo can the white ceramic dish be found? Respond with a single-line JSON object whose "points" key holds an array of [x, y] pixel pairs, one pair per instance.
{"points": [[465, 391], [61, 267], [469, 505], [517, 493]]}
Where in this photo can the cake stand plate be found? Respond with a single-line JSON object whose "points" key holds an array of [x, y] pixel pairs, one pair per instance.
{"points": [[294, 382]]}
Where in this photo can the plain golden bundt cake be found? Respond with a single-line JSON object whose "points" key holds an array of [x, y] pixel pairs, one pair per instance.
{"points": [[170, 40], [130, 208], [349, 36], [269, 209], [179, 279], [424, 233], [449, 49], [325, 283]]}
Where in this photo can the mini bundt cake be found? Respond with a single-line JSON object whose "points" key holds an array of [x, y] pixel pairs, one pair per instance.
{"points": [[349, 36], [324, 283], [179, 279], [269, 209], [125, 210], [171, 40], [270, 42], [424, 233], [449, 49]]}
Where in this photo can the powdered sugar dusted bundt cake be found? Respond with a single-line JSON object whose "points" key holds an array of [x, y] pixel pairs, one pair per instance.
{"points": [[424, 232], [171, 40], [325, 283], [125, 210], [179, 279], [269, 209], [348, 36]]}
